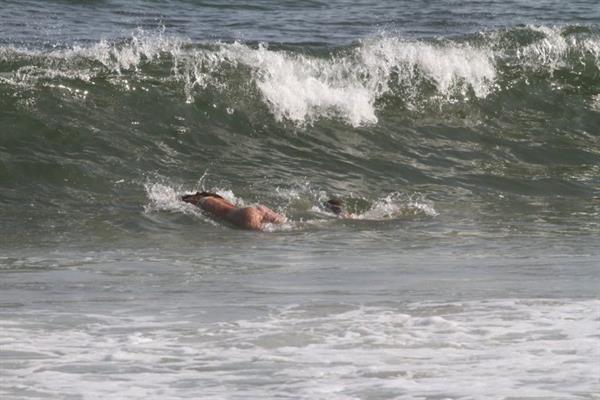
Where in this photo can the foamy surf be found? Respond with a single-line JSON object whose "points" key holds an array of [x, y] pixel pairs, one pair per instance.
{"points": [[488, 350], [396, 205]]}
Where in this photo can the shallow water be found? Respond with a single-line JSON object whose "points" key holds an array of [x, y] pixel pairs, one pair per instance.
{"points": [[464, 136]]}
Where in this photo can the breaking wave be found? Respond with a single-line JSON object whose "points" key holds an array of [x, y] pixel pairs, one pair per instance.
{"points": [[353, 84]]}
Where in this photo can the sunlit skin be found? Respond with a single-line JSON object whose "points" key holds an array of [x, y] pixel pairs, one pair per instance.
{"points": [[253, 218]]}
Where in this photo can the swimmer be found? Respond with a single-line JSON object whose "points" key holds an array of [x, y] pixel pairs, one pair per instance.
{"points": [[337, 206], [253, 218]]}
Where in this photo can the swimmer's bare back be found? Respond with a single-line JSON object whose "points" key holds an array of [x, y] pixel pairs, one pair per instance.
{"points": [[254, 218]]}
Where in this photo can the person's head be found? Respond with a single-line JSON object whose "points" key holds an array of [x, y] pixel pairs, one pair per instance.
{"points": [[335, 205], [198, 196]]}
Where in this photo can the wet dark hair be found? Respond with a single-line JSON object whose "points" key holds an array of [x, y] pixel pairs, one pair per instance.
{"points": [[334, 205], [195, 198]]}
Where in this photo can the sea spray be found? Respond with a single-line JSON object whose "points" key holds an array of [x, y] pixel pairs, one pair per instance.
{"points": [[302, 88]]}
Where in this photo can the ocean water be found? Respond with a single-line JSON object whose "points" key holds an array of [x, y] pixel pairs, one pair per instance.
{"points": [[465, 136]]}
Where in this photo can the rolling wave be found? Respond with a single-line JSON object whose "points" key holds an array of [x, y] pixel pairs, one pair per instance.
{"points": [[302, 85]]}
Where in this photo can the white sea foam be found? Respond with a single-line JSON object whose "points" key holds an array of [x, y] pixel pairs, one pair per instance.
{"points": [[397, 205], [166, 198], [551, 51], [73, 63], [493, 349], [303, 88], [556, 50], [444, 65]]}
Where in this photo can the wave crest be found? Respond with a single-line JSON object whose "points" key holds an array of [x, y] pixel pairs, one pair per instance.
{"points": [[302, 89], [351, 84]]}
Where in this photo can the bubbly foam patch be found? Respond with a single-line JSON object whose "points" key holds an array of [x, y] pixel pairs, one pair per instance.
{"points": [[492, 349], [398, 204], [166, 198]]}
